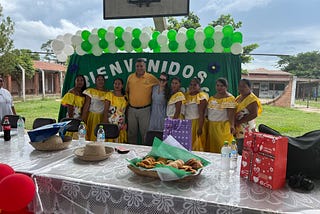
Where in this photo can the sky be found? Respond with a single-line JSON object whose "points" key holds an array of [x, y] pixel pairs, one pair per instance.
{"points": [[278, 26]]}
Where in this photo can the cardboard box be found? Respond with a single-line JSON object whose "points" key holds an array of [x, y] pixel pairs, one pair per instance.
{"points": [[264, 159]]}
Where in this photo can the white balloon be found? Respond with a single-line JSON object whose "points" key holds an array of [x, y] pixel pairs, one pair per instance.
{"points": [[62, 57], [127, 36], [218, 35], [110, 29], [181, 37], [147, 30], [76, 40], [199, 36], [182, 48], [218, 28], [236, 48], [79, 51], [57, 45], [67, 38], [165, 49], [110, 37], [199, 29], [112, 48], [60, 37], [217, 48], [162, 39], [144, 37], [57, 52], [127, 47], [199, 48], [165, 32], [94, 31], [96, 50], [68, 50], [182, 30], [93, 39], [129, 29]]}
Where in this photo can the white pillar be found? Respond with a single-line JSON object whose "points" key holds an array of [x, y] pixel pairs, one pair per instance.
{"points": [[23, 82], [293, 92], [160, 23], [43, 86], [61, 82]]}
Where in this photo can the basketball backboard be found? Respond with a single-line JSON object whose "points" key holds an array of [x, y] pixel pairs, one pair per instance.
{"points": [[123, 9]]}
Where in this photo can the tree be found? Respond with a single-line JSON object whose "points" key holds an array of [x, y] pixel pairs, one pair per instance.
{"points": [[6, 43], [49, 56], [303, 64], [190, 21]]}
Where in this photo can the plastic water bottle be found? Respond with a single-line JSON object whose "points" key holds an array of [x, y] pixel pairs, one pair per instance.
{"points": [[225, 156], [82, 133], [20, 129], [234, 156], [100, 135]]}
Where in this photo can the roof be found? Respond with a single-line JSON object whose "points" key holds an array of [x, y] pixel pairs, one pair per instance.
{"points": [[48, 66], [264, 71], [262, 74]]}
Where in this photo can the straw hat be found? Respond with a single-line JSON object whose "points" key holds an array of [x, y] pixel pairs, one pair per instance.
{"points": [[93, 152], [53, 143]]}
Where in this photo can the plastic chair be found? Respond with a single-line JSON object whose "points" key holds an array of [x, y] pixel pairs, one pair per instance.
{"points": [[151, 135], [38, 122], [13, 119], [111, 130], [73, 125]]}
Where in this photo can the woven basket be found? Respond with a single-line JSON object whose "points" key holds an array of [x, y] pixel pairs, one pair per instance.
{"points": [[154, 174], [52, 144]]}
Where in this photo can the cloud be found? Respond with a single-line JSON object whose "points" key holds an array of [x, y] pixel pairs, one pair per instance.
{"points": [[229, 6]]}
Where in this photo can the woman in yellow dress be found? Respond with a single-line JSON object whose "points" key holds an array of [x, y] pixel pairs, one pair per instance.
{"points": [[176, 100], [115, 108], [94, 106], [195, 106], [248, 108], [74, 98], [221, 111]]}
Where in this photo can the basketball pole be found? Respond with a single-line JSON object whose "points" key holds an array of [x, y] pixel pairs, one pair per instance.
{"points": [[160, 23]]}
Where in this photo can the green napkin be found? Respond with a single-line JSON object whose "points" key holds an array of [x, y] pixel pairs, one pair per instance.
{"points": [[167, 173]]}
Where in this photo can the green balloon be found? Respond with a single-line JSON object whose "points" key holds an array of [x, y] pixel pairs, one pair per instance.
{"points": [[119, 42], [227, 50], [136, 33], [173, 45], [227, 30], [190, 33], [157, 49], [85, 34], [208, 43], [208, 31], [226, 42], [153, 44], [190, 44], [208, 50], [106, 50], [86, 46], [118, 31], [138, 50], [237, 37], [155, 34], [136, 43], [171, 35], [103, 44], [102, 33]]}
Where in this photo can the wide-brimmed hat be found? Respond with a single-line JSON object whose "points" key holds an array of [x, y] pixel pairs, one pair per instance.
{"points": [[93, 152], [53, 143]]}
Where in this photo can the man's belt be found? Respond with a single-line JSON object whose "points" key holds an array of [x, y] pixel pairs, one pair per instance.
{"points": [[140, 107]]}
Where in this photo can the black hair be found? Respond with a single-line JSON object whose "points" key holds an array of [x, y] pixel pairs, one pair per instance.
{"points": [[247, 82], [176, 78], [167, 92], [121, 80], [99, 75], [197, 79], [84, 87], [141, 60], [223, 81]]}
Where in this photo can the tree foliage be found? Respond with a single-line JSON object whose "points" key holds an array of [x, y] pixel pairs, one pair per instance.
{"points": [[46, 47], [190, 21], [6, 31], [303, 64]]}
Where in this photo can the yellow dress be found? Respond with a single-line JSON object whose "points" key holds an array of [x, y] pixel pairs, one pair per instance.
{"points": [[191, 112], [96, 108], [171, 106], [116, 115], [242, 110], [71, 99], [218, 123]]}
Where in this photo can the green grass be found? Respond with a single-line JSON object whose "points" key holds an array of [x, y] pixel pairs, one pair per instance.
{"points": [[32, 109], [310, 103], [289, 121]]}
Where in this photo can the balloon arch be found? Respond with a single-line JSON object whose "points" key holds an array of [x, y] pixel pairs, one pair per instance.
{"points": [[210, 39]]}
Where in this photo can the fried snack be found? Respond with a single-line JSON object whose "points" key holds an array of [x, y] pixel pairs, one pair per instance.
{"points": [[147, 166], [176, 164], [162, 160], [194, 163]]}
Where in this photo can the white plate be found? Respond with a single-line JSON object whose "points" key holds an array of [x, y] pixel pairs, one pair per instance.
{"points": [[13, 133]]}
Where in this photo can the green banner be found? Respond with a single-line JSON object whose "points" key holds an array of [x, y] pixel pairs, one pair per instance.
{"points": [[207, 66]]}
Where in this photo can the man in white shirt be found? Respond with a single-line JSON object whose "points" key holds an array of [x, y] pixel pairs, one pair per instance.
{"points": [[6, 101]]}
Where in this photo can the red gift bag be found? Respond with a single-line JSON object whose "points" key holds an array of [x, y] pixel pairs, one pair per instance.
{"points": [[264, 159]]}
